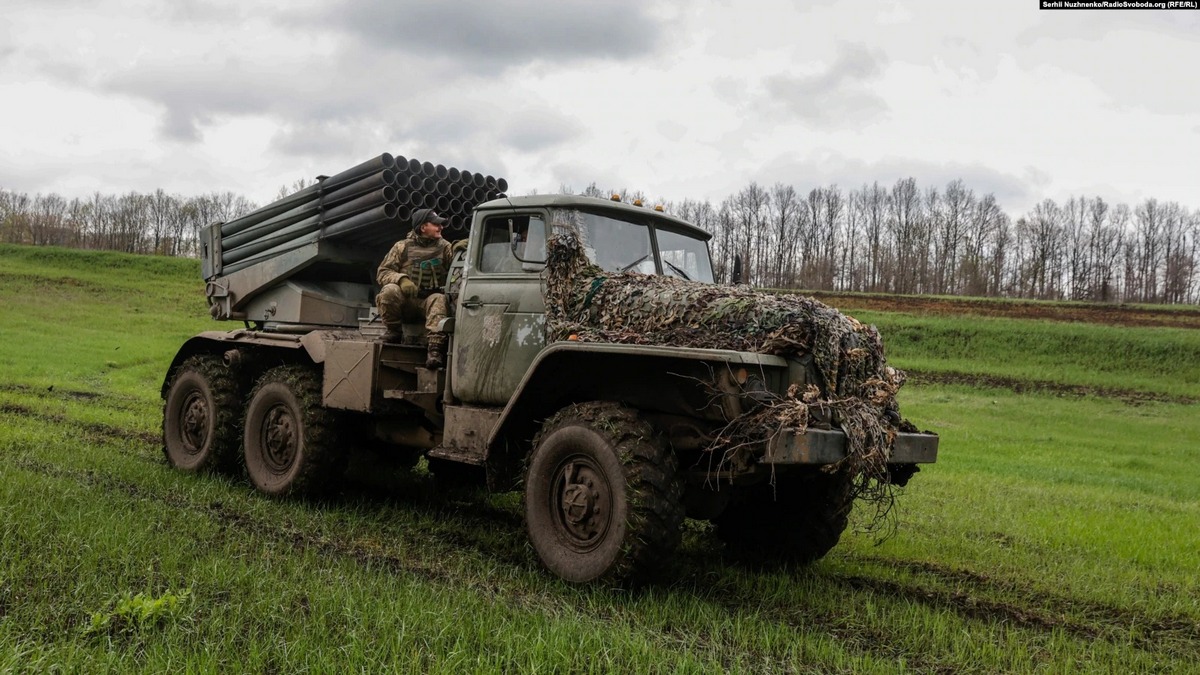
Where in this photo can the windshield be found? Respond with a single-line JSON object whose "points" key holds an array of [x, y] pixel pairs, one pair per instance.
{"points": [[618, 245], [684, 256]]}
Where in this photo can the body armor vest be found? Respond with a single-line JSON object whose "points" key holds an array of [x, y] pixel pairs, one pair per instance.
{"points": [[426, 265]]}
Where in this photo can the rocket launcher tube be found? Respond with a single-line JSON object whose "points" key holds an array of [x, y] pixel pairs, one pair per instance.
{"points": [[375, 165], [373, 182]]}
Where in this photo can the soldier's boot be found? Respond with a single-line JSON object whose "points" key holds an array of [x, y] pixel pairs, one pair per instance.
{"points": [[435, 352], [394, 334]]}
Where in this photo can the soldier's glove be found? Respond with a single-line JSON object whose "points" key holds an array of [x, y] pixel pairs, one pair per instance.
{"points": [[460, 245], [408, 288]]}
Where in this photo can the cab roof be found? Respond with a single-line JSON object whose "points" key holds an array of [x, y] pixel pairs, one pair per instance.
{"points": [[593, 204]]}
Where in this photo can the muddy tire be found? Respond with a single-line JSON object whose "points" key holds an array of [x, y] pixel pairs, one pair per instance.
{"points": [[796, 521], [603, 498], [201, 415], [290, 438]]}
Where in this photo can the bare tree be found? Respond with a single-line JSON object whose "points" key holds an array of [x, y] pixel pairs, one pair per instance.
{"points": [[1104, 240], [160, 208], [301, 183], [1176, 253], [1149, 222], [15, 217], [904, 224], [828, 207], [982, 224], [750, 213], [874, 207], [784, 205], [957, 205], [1043, 237]]}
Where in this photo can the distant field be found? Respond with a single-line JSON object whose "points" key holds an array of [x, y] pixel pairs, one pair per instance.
{"points": [[1113, 314], [1057, 533]]}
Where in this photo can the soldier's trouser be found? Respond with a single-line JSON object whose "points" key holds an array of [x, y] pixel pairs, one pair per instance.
{"points": [[397, 310]]}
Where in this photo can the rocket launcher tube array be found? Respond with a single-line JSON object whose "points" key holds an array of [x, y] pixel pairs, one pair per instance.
{"points": [[378, 192], [371, 166]]}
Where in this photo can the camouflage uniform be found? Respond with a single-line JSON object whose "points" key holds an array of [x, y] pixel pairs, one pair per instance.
{"points": [[425, 261]]}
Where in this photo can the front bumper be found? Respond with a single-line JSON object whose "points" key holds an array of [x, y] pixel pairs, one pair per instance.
{"points": [[820, 446]]}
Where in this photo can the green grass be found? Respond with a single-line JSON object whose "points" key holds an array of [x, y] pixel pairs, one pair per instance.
{"points": [[1145, 359], [81, 323], [1053, 535]]}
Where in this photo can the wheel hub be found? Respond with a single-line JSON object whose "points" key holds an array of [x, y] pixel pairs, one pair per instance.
{"points": [[582, 500], [194, 429], [279, 439]]}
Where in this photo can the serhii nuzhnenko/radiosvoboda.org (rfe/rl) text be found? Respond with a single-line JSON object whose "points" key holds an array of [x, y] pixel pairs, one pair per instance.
{"points": [[1119, 4]]}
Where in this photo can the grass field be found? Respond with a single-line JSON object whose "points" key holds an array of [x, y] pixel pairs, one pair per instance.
{"points": [[1058, 531]]}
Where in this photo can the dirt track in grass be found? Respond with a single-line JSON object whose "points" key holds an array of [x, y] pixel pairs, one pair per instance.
{"points": [[1099, 313]]}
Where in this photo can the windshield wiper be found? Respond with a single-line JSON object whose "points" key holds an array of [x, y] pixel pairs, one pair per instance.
{"points": [[681, 272], [635, 262]]}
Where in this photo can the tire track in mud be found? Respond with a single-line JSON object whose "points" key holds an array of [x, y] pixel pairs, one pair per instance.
{"points": [[1166, 627], [1177, 635], [1019, 386], [91, 430], [1172, 634], [226, 516], [127, 404], [428, 568]]}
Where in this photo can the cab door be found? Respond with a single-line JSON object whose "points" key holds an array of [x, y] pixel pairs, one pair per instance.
{"points": [[500, 322]]}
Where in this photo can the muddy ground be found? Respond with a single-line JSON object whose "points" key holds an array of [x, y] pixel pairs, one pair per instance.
{"points": [[1174, 316]]}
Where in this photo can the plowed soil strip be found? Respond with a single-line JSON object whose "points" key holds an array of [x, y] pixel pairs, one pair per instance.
{"points": [[1130, 396], [1112, 315]]}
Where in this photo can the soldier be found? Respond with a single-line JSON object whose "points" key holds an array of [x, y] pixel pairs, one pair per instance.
{"points": [[411, 280]]}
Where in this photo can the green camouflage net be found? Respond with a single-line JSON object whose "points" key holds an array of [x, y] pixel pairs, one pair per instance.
{"points": [[859, 392]]}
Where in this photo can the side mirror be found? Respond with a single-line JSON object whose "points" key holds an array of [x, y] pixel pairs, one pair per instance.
{"points": [[529, 246]]}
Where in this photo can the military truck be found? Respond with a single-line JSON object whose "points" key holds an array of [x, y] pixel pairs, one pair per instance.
{"points": [[611, 444]]}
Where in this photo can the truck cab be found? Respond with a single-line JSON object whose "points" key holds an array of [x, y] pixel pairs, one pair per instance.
{"points": [[500, 311]]}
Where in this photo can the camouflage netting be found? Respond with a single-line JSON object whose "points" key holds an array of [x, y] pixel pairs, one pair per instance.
{"points": [[594, 305]]}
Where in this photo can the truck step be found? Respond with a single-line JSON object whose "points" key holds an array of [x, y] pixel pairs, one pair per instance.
{"points": [[455, 455], [424, 399]]}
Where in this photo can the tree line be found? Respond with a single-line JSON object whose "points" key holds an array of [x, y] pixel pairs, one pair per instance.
{"points": [[156, 224], [892, 239], [952, 241]]}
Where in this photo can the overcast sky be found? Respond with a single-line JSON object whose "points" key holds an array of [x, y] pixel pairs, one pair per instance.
{"points": [[676, 98]]}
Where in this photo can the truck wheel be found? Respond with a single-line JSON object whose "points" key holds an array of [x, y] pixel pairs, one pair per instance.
{"points": [[798, 520], [603, 498], [290, 436], [200, 415]]}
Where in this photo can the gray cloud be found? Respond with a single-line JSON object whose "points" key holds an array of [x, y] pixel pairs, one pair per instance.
{"points": [[329, 140], [1135, 58], [18, 178], [202, 11], [423, 63], [441, 124], [350, 86], [577, 175], [535, 129], [841, 95], [489, 36], [1011, 192], [192, 96]]}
